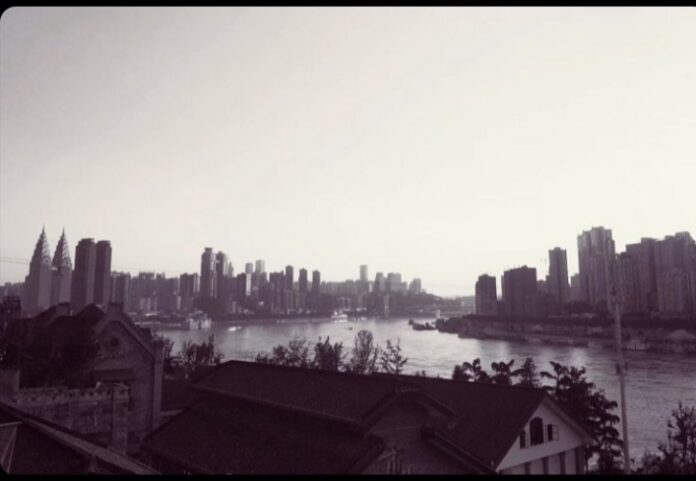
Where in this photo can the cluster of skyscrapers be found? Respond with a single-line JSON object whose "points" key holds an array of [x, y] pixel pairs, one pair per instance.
{"points": [[54, 281], [651, 278]]}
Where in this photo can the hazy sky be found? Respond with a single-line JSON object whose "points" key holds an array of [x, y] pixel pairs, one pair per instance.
{"points": [[440, 143]]}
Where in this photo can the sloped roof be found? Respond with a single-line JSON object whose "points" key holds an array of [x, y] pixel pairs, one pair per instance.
{"points": [[221, 436], [61, 257], [42, 253], [481, 421]]}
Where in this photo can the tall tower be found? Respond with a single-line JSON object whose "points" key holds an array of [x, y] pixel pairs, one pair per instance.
{"points": [[302, 281], [557, 280], [102, 273], [289, 277], [62, 272], [363, 273], [596, 254], [82, 291], [222, 271], [208, 273], [38, 283], [316, 282]]}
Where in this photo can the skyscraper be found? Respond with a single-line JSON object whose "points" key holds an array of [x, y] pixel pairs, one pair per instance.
{"points": [[596, 255], [486, 296], [641, 287], [120, 288], [249, 268], [302, 281], [289, 277], [557, 280], [62, 272], [222, 274], [415, 286], [363, 273], [37, 286], [260, 266], [520, 291], [82, 292], [208, 273], [380, 284], [675, 264], [102, 273], [316, 282]]}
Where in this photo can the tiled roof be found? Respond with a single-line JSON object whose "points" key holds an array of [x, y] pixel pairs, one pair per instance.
{"points": [[221, 436]]}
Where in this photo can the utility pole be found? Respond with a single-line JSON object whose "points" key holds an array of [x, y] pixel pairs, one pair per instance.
{"points": [[620, 370]]}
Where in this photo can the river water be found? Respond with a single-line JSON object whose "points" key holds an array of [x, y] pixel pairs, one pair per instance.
{"points": [[655, 382]]}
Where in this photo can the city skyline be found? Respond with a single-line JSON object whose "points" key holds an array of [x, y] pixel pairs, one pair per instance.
{"points": [[400, 140]]}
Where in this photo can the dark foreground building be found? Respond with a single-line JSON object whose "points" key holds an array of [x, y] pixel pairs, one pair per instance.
{"points": [[263, 419]]}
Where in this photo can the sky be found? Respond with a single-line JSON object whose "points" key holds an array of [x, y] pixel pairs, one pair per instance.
{"points": [[441, 143]]}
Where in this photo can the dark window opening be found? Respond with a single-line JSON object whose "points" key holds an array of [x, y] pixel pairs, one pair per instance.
{"points": [[536, 431]]}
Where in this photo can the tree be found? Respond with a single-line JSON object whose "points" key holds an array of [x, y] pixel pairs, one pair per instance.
{"points": [[572, 390], [461, 374], [168, 348], [295, 354], [365, 354], [476, 372], [327, 356], [528, 374], [678, 454], [391, 359], [192, 356], [503, 373]]}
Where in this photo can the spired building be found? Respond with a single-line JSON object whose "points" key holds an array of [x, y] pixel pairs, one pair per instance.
{"points": [[62, 272], [37, 285], [596, 254]]}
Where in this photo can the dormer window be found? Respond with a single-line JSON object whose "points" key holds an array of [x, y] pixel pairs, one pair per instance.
{"points": [[536, 431], [551, 432]]}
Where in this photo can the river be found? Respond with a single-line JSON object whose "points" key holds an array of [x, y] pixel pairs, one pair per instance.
{"points": [[655, 382]]}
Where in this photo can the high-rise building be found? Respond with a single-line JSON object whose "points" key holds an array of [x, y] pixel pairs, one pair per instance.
{"points": [[289, 277], [249, 268], [520, 294], [120, 288], [37, 285], [575, 292], [363, 273], [638, 293], [628, 287], [208, 273], [189, 285], [223, 269], [102, 273], [61, 282], [393, 282], [260, 266], [83, 278], [486, 296], [302, 281], [316, 282], [675, 264], [596, 255], [557, 280], [380, 284], [415, 286]]}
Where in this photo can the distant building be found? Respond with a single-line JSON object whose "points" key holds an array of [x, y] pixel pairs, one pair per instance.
{"points": [[316, 282], [223, 272], [393, 282], [557, 280], [675, 267], [10, 308], [341, 423], [486, 296], [302, 281], [260, 266], [249, 268], [415, 286], [61, 283], [575, 292], [628, 284], [83, 279], [363, 273], [643, 280], [289, 277], [37, 285], [596, 255], [102, 273], [380, 285], [208, 273], [520, 293], [120, 288]]}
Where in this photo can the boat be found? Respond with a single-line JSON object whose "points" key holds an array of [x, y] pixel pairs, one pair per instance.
{"points": [[422, 327], [234, 328], [339, 316]]}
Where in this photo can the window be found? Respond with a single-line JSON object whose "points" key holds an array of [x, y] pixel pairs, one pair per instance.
{"points": [[523, 439], [551, 432], [536, 431]]}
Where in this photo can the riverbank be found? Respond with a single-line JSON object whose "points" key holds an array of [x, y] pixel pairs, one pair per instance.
{"points": [[583, 333]]}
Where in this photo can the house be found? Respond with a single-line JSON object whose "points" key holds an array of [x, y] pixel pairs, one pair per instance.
{"points": [[94, 372], [256, 418], [29, 445]]}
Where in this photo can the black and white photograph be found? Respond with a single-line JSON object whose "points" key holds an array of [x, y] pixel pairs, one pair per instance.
{"points": [[316, 240]]}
